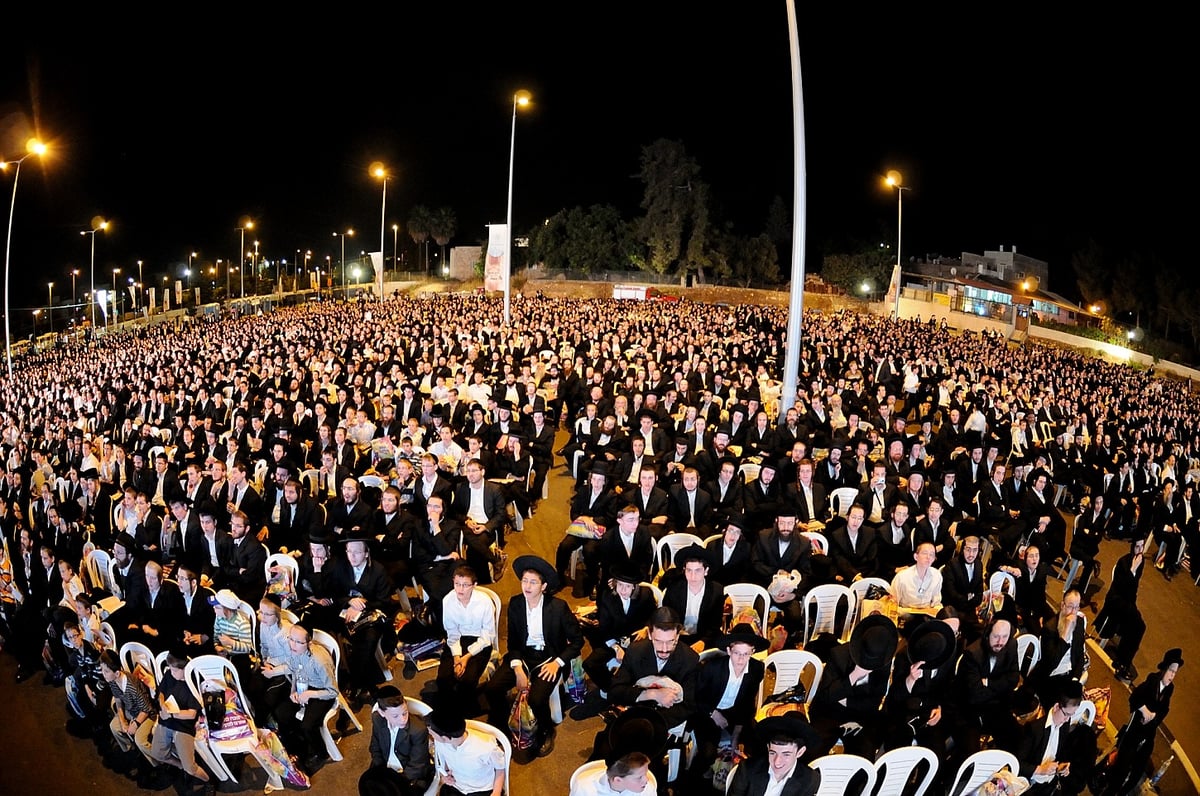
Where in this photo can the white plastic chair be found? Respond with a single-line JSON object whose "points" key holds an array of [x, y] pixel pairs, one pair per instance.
{"points": [[893, 770], [820, 610], [979, 767], [111, 577], [284, 561], [838, 771], [108, 637], [841, 499], [817, 540], [251, 613], [95, 566], [998, 579], [490, 669], [1086, 713], [335, 654], [216, 668], [418, 708], [598, 766], [657, 592], [1029, 652], [672, 543], [860, 588], [790, 666], [134, 653], [749, 595], [309, 480]]}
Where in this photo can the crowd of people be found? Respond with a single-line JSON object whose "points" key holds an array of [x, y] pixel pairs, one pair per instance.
{"points": [[386, 449]]}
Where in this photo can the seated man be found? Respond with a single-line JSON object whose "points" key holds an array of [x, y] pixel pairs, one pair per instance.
{"points": [[593, 509], [918, 588], [469, 762], [133, 717], [726, 695], [659, 671], [479, 506], [363, 589], [300, 710], [232, 635], [696, 599], [779, 768], [622, 611], [1057, 755], [400, 742], [627, 543], [849, 699], [543, 637], [987, 679], [469, 619], [175, 732]]}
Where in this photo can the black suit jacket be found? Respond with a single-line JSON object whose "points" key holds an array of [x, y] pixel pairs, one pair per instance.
{"points": [[767, 560], [737, 570], [614, 622], [681, 512], [610, 551], [957, 590], [244, 570], [493, 504], [712, 608], [683, 667], [752, 776], [710, 687], [862, 559], [560, 628], [411, 747]]}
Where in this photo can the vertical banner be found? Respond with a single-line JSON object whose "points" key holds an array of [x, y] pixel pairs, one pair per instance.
{"points": [[893, 294], [150, 299], [495, 266], [102, 302], [197, 289], [312, 281], [377, 264], [166, 301], [179, 293]]}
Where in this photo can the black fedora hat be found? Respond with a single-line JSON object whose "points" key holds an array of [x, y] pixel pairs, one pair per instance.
{"points": [[744, 633], [932, 642], [873, 642], [625, 574], [539, 565], [692, 552], [638, 729], [1172, 656], [790, 726]]}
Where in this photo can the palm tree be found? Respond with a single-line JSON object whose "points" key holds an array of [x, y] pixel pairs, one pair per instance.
{"points": [[419, 222], [442, 226]]}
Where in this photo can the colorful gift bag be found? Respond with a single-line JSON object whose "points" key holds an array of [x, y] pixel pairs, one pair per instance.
{"points": [[576, 682], [523, 727]]}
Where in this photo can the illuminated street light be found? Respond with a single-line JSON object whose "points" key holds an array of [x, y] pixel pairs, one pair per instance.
{"points": [[98, 224], [32, 147], [50, 301], [241, 228], [380, 173], [520, 99], [343, 235]]}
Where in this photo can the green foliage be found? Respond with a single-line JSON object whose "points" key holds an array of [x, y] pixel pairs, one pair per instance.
{"points": [[675, 228], [870, 264], [592, 239]]}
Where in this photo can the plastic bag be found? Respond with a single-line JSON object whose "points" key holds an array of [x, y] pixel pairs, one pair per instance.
{"points": [[523, 727], [722, 767], [1100, 696], [575, 682]]}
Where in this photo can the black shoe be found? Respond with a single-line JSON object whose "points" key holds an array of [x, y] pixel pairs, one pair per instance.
{"points": [[547, 745], [313, 763], [410, 669], [593, 705], [1123, 674]]}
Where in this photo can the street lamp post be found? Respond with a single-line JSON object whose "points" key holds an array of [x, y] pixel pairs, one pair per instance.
{"points": [[50, 308], [244, 225], [74, 297], [187, 274], [95, 228], [140, 300], [343, 235], [521, 99], [395, 248], [32, 147], [254, 268], [116, 271], [895, 180], [381, 173]]}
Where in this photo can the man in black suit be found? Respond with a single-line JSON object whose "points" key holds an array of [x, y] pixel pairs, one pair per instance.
{"points": [[330, 477], [244, 497], [1056, 754], [479, 506], [299, 517], [243, 570], [763, 497], [349, 514], [653, 503], [626, 543], [781, 550], [194, 622], [691, 508], [996, 518], [362, 586], [987, 678], [153, 618], [593, 509], [395, 731], [702, 627], [536, 654], [715, 710], [659, 671], [215, 546], [621, 612], [807, 498], [877, 497], [726, 491], [853, 548]]}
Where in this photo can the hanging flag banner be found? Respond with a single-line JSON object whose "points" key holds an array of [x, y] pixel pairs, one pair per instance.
{"points": [[150, 299], [102, 301], [495, 267], [893, 294], [179, 293]]}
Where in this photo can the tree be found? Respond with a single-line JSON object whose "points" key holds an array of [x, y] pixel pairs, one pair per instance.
{"points": [[756, 261], [547, 242], [595, 239], [419, 222], [779, 227], [675, 227], [870, 264], [1093, 274], [442, 226]]}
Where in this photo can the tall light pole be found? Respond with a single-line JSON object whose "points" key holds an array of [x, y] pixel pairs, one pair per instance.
{"points": [[138, 303], [32, 147], [74, 296], [97, 225], [50, 308], [395, 249], [116, 271], [243, 225], [896, 180], [187, 274], [380, 173], [253, 269], [520, 99], [343, 235]]}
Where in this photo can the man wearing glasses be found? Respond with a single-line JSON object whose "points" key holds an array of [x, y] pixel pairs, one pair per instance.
{"points": [[1057, 754]]}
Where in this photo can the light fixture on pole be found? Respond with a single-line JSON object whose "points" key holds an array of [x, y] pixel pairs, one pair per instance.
{"points": [[380, 173], [895, 180], [343, 235], [50, 302], [188, 273], [116, 271], [74, 296], [254, 268], [241, 228], [32, 147], [520, 99], [98, 224], [395, 247]]}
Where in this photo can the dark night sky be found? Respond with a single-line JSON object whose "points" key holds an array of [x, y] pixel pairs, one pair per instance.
{"points": [[1026, 132]]}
